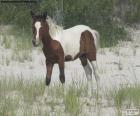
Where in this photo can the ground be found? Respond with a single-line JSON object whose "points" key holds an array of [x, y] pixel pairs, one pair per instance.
{"points": [[119, 67]]}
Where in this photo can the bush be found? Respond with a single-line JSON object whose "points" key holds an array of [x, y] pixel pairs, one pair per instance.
{"points": [[128, 11]]}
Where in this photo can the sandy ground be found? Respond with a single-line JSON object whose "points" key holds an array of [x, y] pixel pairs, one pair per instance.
{"points": [[118, 66]]}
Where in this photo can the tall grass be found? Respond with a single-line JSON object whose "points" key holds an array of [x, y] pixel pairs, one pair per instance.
{"points": [[18, 93], [27, 96], [127, 97], [71, 101], [19, 42]]}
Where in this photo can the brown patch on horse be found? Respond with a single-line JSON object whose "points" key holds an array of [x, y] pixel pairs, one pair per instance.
{"points": [[87, 46]]}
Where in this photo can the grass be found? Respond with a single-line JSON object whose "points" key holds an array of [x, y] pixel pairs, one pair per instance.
{"points": [[19, 42], [21, 56], [18, 95], [30, 89], [26, 96], [8, 107], [71, 101], [126, 98], [14, 37], [6, 42]]}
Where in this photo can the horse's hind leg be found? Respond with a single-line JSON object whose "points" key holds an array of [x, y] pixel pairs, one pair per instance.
{"points": [[95, 71], [61, 69], [88, 72]]}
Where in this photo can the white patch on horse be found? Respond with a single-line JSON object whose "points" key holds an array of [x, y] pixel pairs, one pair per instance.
{"points": [[37, 26], [70, 38]]}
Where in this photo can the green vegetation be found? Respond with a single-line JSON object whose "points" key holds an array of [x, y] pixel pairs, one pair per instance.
{"points": [[17, 94], [128, 11], [98, 14], [6, 42], [71, 101], [125, 97], [20, 96], [18, 42]]}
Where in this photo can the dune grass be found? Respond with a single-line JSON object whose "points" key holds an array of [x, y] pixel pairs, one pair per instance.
{"points": [[20, 96], [127, 97], [19, 42], [71, 101], [27, 97]]}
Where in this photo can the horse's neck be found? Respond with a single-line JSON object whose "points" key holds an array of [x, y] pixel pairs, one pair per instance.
{"points": [[46, 40], [54, 29]]}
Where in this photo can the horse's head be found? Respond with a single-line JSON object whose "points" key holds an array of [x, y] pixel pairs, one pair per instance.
{"points": [[39, 27]]}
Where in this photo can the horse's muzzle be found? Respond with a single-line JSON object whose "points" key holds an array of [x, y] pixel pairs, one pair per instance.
{"points": [[35, 44]]}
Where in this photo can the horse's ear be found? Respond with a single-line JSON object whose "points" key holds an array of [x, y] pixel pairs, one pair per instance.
{"points": [[32, 14], [45, 15]]}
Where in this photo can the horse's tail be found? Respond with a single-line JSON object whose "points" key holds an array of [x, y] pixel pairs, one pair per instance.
{"points": [[97, 39]]}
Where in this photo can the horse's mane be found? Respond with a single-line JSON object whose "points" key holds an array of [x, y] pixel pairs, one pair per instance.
{"points": [[53, 27]]}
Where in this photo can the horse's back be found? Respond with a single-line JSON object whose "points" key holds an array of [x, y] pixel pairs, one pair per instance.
{"points": [[78, 28]]}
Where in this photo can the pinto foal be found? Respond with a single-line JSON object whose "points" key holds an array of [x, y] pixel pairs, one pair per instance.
{"points": [[76, 42]]}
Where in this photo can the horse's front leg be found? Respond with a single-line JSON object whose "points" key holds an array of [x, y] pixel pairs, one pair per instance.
{"points": [[61, 69], [49, 67]]}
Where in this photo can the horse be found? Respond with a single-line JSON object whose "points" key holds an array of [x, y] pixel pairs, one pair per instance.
{"points": [[63, 45]]}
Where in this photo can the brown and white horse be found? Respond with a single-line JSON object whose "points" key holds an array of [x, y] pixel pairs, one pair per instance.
{"points": [[66, 45]]}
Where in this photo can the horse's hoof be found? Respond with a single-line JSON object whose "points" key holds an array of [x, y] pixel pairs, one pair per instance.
{"points": [[48, 81], [62, 79]]}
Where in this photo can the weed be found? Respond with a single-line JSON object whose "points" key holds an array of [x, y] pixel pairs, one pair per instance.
{"points": [[71, 101]]}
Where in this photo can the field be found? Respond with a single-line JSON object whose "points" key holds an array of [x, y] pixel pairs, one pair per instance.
{"points": [[23, 91]]}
